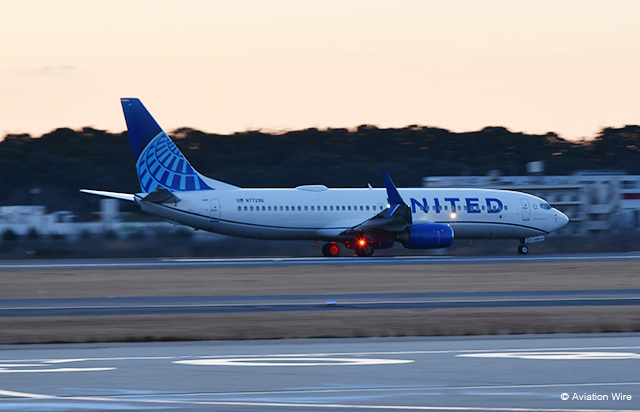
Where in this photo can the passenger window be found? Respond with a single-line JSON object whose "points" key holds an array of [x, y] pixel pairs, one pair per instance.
{"points": [[344, 208], [251, 208], [367, 207], [239, 208], [286, 208], [300, 208], [306, 208]]}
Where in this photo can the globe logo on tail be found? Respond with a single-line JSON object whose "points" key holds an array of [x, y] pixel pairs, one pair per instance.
{"points": [[162, 165]]}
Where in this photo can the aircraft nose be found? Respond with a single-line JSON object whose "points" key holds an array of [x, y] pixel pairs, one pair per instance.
{"points": [[561, 218]]}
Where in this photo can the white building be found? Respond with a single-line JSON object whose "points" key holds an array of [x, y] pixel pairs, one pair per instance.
{"points": [[23, 220], [595, 201]]}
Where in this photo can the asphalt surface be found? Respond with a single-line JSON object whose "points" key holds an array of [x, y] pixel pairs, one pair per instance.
{"points": [[559, 373], [167, 263], [174, 305]]}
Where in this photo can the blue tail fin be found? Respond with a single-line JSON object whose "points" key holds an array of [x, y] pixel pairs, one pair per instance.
{"points": [[158, 160]]}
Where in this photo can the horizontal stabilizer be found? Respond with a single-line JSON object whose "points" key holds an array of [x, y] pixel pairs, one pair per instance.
{"points": [[122, 196]]}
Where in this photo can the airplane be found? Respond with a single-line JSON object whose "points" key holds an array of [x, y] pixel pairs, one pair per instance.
{"points": [[361, 219]]}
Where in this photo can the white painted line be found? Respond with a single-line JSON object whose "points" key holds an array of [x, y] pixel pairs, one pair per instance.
{"points": [[372, 407], [427, 352], [555, 355], [90, 359], [292, 361], [4, 370], [24, 395], [394, 389]]}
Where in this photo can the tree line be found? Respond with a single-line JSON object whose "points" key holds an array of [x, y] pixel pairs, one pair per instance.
{"points": [[51, 168]]}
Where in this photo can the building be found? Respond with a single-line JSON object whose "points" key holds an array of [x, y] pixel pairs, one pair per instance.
{"points": [[596, 202]]}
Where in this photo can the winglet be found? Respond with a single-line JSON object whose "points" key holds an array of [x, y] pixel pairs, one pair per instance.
{"points": [[392, 192]]}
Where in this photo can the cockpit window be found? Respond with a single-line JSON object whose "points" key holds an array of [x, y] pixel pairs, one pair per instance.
{"points": [[545, 206]]}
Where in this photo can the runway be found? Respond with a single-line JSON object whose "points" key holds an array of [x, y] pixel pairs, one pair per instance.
{"points": [[174, 305], [562, 373], [168, 263]]}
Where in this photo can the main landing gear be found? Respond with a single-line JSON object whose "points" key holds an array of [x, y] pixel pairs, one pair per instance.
{"points": [[362, 248], [331, 249]]}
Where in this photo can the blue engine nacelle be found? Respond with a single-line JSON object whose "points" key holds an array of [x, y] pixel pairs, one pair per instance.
{"points": [[426, 236]]}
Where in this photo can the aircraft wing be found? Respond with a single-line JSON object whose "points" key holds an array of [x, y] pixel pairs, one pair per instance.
{"points": [[393, 219]]}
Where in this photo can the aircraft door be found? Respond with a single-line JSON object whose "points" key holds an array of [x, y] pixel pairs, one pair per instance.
{"points": [[214, 214], [526, 211]]}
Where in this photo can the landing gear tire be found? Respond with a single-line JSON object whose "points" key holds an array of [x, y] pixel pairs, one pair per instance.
{"points": [[331, 249], [523, 249], [364, 251]]}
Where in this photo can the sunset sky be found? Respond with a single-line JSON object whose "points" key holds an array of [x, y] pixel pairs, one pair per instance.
{"points": [[569, 66]]}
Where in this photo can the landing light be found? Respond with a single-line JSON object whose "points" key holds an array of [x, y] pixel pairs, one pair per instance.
{"points": [[453, 215], [362, 242]]}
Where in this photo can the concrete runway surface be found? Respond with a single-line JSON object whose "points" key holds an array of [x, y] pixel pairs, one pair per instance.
{"points": [[543, 373], [177, 305], [182, 263]]}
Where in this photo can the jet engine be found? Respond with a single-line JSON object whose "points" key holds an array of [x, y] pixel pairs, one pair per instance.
{"points": [[426, 236]]}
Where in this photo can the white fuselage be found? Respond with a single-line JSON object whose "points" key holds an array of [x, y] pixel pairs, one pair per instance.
{"points": [[318, 213]]}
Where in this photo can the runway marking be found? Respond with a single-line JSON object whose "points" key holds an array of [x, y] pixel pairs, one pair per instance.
{"points": [[291, 361], [45, 365], [555, 355], [89, 359], [298, 405], [427, 352], [322, 354], [25, 395], [396, 407], [386, 407], [3, 370]]}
